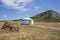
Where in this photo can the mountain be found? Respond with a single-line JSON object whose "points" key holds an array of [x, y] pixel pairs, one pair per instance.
{"points": [[49, 15]]}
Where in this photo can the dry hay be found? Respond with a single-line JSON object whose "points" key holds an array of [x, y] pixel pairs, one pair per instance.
{"points": [[10, 26]]}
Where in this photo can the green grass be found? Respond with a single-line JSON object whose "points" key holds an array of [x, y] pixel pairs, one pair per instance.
{"points": [[29, 32]]}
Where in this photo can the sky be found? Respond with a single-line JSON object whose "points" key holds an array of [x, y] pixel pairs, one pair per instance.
{"points": [[17, 9]]}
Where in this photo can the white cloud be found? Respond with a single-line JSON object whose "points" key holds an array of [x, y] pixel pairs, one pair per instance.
{"points": [[24, 1], [37, 7], [16, 4]]}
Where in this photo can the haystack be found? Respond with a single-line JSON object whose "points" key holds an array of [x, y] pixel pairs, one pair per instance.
{"points": [[10, 26]]}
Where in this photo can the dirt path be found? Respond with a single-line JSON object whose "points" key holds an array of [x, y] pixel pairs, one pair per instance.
{"points": [[47, 27]]}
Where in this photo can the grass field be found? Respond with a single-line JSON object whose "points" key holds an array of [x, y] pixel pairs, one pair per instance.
{"points": [[48, 24], [29, 32]]}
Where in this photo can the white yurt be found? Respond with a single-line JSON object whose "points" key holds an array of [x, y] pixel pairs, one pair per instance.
{"points": [[27, 21]]}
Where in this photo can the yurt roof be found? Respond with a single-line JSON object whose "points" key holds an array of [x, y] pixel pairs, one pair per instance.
{"points": [[27, 19]]}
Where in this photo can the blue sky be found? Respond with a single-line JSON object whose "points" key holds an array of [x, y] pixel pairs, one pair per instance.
{"points": [[17, 9]]}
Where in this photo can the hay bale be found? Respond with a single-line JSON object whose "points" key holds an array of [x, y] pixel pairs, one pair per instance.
{"points": [[10, 26]]}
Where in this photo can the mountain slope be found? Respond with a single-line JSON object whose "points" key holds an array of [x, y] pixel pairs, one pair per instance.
{"points": [[49, 15]]}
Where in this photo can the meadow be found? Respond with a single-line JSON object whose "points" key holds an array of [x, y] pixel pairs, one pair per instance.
{"points": [[30, 32], [49, 24]]}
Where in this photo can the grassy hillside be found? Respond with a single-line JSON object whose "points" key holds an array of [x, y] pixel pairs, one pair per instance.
{"points": [[49, 15]]}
